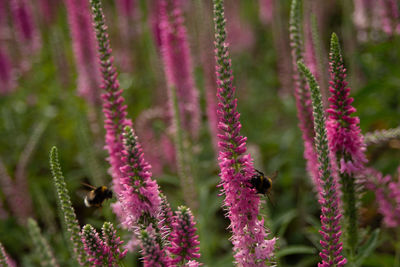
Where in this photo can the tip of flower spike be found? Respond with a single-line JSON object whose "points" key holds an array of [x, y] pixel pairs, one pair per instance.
{"points": [[335, 47]]}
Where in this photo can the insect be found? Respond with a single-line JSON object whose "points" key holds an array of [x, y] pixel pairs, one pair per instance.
{"points": [[262, 183], [97, 195]]}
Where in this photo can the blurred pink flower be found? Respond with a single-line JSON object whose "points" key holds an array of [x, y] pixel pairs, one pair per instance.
{"points": [[25, 26], [178, 66], [151, 127], [7, 79], [84, 46], [266, 8], [387, 193]]}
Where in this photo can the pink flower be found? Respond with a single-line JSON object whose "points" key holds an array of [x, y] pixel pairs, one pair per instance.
{"points": [[158, 147], [346, 142], [241, 200], [114, 107], [266, 10], [178, 66], [5, 258], [25, 26], [387, 193], [140, 194], [99, 254], [184, 243], [303, 98], [84, 45], [7, 82], [153, 254]]}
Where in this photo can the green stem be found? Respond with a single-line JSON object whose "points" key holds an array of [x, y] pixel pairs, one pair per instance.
{"points": [[397, 247], [350, 215]]}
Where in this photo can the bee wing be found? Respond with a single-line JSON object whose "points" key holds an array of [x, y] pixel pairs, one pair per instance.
{"points": [[81, 193], [270, 198], [274, 175], [88, 185]]}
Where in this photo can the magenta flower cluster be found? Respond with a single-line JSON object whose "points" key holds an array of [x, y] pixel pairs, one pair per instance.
{"points": [[184, 243], [140, 195], [178, 65], [84, 45], [249, 237], [102, 252], [114, 107], [152, 251], [344, 132]]}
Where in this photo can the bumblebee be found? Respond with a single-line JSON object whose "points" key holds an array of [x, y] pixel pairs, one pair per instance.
{"points": [[97, 195], [261, 182]]}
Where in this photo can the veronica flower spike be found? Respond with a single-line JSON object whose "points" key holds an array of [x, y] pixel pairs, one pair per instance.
{"points": [[41, 246], [114, 108], [98, 252], [345, 142], [184, 243], [140, 197], [331, 253], [302, 94], [5, 260], [65, 205], [249, 237]]}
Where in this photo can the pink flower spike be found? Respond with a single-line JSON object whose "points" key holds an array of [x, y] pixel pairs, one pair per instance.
{"points": [[153, 254], [140, 195], [178, 66], [5, 259], [25, 26], [7, 79], [99, 254], [183, 238], [387, 193], [249, 237], [84, 46], [114, 108]]}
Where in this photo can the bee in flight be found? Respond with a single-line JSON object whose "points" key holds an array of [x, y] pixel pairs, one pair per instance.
{"points": [[262, 183], [96, 196]]}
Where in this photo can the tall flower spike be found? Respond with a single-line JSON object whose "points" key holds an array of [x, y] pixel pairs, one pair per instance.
{"points": [[345, 142], [25, 26], [330, 214], [153, 254], [249, 237], [178, 65], [140, 197], [5, 260], [84, 45], [65, 205], [99, 254], [114, 108], [184, 243], [302, 94], [41, 246], [112, 241], [7, 83]]}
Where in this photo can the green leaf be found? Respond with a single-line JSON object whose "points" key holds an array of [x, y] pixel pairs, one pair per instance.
{"points": [[281, 223], [368, 247], [295, 250]]}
